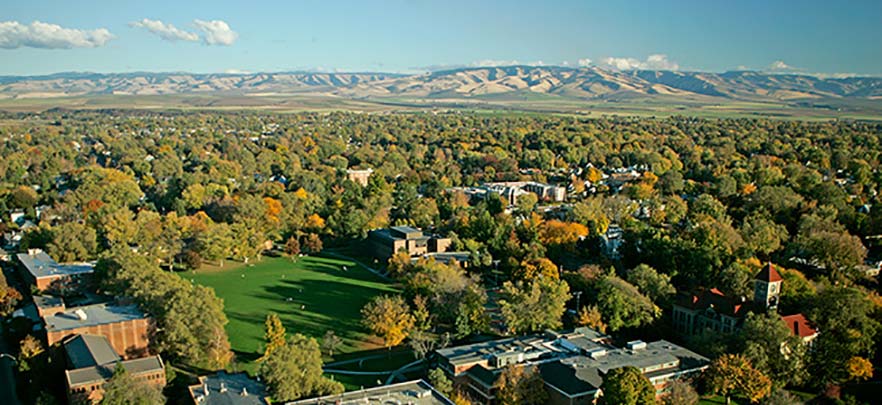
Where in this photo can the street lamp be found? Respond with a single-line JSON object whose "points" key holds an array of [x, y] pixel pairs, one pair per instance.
{"points": [[577, 295]]}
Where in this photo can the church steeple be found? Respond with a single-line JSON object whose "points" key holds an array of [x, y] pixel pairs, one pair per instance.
{"points": [[767, 287]]}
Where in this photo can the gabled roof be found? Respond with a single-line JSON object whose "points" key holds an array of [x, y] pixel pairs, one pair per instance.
{"points": [[89, 351], [799, 325], [768, 274], [704, 299]]}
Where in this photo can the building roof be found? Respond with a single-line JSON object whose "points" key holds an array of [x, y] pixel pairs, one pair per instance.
{"points": [[531, 347], [47, 301], [768, 274], [40, 265], [228, 389], [714, 298], [799, 325], [580, 375], [417, 392], [89, 351], [97, 314], [135, 367]]}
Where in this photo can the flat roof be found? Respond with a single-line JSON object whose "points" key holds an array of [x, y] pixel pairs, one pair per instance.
{"points": [[416, 392], [40, 265], [89, 350], [238, 389], [47, 301], [532, 346], [97, 314], [135, 367]]}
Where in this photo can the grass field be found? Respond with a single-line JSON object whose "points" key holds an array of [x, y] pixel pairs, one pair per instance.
{"points": [[331, 299]]}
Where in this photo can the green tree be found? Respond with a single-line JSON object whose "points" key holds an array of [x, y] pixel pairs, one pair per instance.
{"points": [[438, 379], [534, 306], [330, 342], [623, 306], [762, 234], [73, 241], [123, 389], [653, 284], [627, 386], [294, 371], [769, 346]]}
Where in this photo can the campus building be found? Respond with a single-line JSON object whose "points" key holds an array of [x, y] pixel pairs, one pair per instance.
{"points": [[713, 311], [360, 177], [387, 242], [125, 326], [91, 361], [417, 392], [44, 273], [572, 364], [228, 389]]}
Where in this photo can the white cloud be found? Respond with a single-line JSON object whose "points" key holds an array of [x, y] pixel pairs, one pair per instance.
{"points": [[165, 31], [238, 72], [652, 62], [585, 62], [50, 36], [216, 32]]}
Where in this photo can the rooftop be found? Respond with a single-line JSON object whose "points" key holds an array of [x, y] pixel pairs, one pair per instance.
{"points": [[799, 325], [92, 315], [417, 392], [40, 265], [228, 389], [714, 298], [532, 347], [135, 367], [89, 351], [768, 274]]}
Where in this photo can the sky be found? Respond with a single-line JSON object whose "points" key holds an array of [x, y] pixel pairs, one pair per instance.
{"points": [[807, 36]]}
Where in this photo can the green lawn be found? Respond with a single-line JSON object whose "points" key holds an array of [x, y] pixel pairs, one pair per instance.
{"points": [[324, 297]]}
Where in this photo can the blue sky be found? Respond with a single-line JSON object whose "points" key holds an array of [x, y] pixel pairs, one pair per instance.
{"points": [[413, 35]]}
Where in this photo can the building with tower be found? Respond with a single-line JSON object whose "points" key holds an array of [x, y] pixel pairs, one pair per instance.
{"points": [[710, 310]]}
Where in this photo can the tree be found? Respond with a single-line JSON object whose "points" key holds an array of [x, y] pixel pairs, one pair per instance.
{"points": [[769, 346], [859, 368], [534, 306], [623, 306], [517, 386], [330, 342], [780, 396], [590, 316], [627, 386], [292, 246], [312, 243], [680, 393], [73, 241], [844, 334], [438, 379], [732, 374], [762, 234], [123, 389], [653, 284], [533, 268], [274, 334], [9, 297], [388, 317], [294, 371], [28, 351]]}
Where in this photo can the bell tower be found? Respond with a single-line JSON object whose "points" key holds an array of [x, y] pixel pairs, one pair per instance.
{"points": [[767, 287]]}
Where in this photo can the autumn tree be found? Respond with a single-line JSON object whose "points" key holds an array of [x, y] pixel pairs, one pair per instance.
{"points": [[292, 246], [627, 386], [590, 316], [517, 385], [733, 375], [274, 334], [680, 393], [312, 243], [388, 317]]}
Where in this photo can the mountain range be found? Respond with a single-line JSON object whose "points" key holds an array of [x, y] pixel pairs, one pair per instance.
{"points": [[581, 83]]}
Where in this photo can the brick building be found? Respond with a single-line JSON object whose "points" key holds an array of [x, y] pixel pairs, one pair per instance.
{"points": [[126, 328], [44, 273], [91, 361]]}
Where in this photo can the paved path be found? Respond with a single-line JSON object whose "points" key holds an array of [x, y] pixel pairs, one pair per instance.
{"points": [[401, 370]]}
